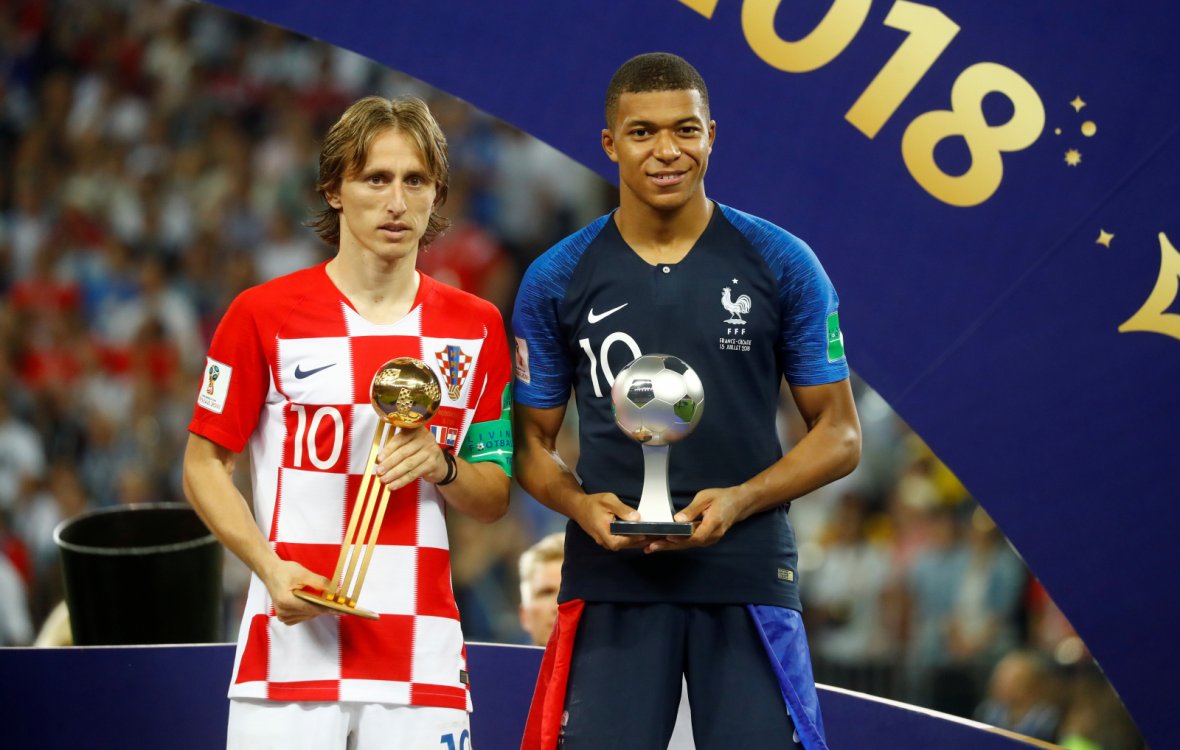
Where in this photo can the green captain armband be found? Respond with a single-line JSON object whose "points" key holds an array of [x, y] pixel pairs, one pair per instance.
{"points": [[492, 441]]}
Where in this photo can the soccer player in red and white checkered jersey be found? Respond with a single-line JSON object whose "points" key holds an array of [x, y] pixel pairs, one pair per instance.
{"points": [[288, 373]]}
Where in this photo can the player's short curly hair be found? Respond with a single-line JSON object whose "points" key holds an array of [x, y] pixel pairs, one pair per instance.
{"points": [[653, 71], [346, 148]]}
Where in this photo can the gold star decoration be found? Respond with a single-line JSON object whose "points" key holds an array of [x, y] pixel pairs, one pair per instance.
{"points": [[1104, 238], [1073, 157], [1077, 104]]}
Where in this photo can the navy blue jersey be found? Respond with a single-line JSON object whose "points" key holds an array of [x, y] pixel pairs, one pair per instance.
{"points": [[747, 306]]}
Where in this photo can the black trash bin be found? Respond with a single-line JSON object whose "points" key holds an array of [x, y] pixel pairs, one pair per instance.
{"points": [[141, 574]]}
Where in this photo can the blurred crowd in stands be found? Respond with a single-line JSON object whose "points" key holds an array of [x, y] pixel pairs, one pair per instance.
{"points": [[159, 156]]}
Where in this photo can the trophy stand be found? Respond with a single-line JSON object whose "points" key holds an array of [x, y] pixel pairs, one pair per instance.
{"points": [[657, 400], [655, 507], [405, 392]]}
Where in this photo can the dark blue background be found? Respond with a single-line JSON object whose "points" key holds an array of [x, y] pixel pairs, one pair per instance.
{"points": [[173, 698], [993, 330]]}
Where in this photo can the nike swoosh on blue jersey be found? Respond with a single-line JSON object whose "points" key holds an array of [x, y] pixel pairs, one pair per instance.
{"points": [[301, 374], [593, 318]]}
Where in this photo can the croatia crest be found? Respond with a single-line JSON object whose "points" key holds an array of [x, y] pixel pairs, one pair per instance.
{"points": [[454, 366]]}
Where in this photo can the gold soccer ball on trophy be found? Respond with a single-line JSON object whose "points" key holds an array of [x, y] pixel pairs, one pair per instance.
{"points": [[405, 392], [657, 399]]}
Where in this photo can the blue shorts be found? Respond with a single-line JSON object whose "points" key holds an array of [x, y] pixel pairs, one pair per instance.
{"points": [[626, 668]]}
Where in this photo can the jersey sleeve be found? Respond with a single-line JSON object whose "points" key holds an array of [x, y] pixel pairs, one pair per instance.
{"points": [[489, 438], [543, 364], [234, 382], [811, 340], [542, 367]]}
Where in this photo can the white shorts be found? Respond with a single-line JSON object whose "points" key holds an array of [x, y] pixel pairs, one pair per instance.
{"points": [[271, 725]]}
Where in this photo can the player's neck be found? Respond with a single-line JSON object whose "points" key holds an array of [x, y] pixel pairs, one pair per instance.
{"points": [[660, 235], [381, 291]]}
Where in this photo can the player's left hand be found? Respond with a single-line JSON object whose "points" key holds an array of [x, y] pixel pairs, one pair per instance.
{"points": [[713, 512], [409, 454]]}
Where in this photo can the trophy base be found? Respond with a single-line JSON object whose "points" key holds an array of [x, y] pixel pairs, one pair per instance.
{"points": [[651, 528], [338, 607]]}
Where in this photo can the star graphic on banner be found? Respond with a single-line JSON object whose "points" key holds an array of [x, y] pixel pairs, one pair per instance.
{"points": [[1088, 128], [1153, 316], [1104, 238]]}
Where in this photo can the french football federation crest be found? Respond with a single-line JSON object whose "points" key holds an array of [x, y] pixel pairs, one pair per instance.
{"points": [[735, 307], [455, 367]]}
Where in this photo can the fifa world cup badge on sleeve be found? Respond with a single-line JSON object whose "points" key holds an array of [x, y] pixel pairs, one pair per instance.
{"points": [[215, 386], [657, 400], [522, 360], [835, 338]]}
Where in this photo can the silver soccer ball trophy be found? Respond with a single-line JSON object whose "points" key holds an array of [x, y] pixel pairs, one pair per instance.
{"points": [[657, 400]]}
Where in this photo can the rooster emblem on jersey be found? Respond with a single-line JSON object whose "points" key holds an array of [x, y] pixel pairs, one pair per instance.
{"points": [[735, 307]]}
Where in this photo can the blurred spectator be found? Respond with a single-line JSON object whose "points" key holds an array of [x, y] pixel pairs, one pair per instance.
{"points": [[286, 249], [156, 304], [42, 293], [26, 223], [107, 449], [540, 580], [16, 627], [932, 585], [853, 643], [540, 194], [964, 595], [983, 625], [483, 573], [469, 257], [58, 498], [1023, 696], [22, 456], [1094, 718]]}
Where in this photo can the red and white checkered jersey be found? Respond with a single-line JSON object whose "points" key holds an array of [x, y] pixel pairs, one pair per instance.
{"points": [[289, 370]]}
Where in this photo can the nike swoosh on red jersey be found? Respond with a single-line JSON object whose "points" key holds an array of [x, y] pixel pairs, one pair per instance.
{"points": [[301, 374], [593, 318]]}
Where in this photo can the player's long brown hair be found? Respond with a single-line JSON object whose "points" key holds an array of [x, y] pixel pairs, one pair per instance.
{"points": [[346, 148]]}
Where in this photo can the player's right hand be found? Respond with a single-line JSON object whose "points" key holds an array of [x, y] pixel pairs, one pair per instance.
{"points": [[598, 511], [282, 580]]}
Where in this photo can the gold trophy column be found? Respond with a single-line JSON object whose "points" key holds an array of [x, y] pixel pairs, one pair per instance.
{"points": [[405, 393]]}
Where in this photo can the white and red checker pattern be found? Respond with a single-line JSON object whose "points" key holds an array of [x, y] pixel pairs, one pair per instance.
{"points": [[309, 443]]}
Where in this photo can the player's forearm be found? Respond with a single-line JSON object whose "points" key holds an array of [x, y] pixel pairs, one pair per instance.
{"points": [[209, 487], [480, 490], [830, 450], [544, 475], [539, 468]]}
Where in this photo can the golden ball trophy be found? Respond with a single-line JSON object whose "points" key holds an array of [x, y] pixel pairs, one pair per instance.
{"points": [[405, 393]]}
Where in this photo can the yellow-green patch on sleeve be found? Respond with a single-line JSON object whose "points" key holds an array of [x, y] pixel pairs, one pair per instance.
{"points": [[492, 441]]}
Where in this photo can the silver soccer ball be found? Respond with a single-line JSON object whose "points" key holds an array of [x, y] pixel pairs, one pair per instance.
{"points": [[657, 399]]}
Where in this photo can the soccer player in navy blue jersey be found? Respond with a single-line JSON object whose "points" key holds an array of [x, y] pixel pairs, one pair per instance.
{"points": [[745, 304]]}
